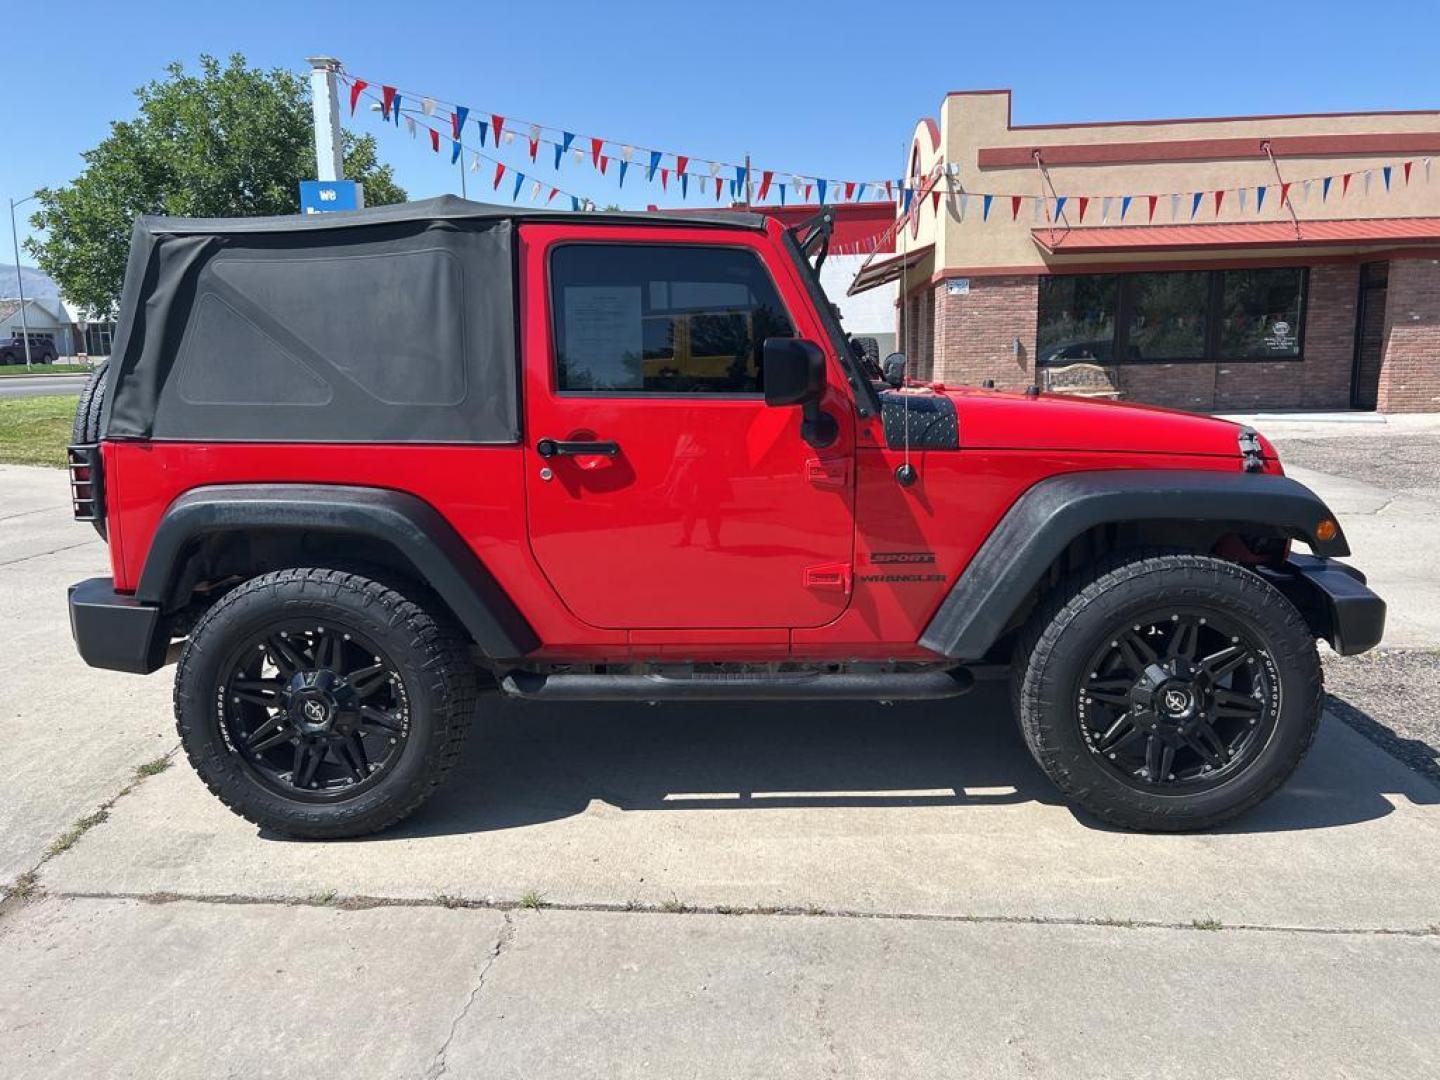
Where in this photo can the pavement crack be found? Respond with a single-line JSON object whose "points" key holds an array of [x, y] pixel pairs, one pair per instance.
{"points": [[42, 554], [438, 1064]]}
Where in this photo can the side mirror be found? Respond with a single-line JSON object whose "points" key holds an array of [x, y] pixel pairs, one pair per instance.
{"points": [[794, 371], [893, 369], [795, 375]]}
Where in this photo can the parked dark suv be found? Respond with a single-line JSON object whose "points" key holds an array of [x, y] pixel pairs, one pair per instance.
{"points": [[42, 349]]}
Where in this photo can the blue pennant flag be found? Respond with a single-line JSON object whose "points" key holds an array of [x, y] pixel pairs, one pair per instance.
{"points": [[684, 185], [484, 130], [1060, 205], [1125, 206], [654, 164], [740, 176], [984, 212], [732, 189], [454, 151], [624, 165], [461, 113], [574, 203], [1195, 203], [1386, 171], [519, 183], [1259, 197], [1325, 188], [860, 193], [820, 187], [395, 108], [906, 195], [566, 138], [782, 194]]}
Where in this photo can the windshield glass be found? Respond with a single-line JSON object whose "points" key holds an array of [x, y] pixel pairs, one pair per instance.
{"points": [[860, 379]]}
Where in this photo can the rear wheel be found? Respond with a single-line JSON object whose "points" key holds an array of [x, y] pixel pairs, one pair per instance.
{"points": [[322, 704], [1169, 692]]}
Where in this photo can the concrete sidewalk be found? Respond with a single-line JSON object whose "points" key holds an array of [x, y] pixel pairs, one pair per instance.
{"points": [[757, 891]]}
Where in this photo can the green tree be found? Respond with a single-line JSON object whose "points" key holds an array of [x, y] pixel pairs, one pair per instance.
{"points": [[228, 141]]}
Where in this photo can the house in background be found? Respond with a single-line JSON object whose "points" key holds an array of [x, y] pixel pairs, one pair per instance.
{"points": [[45, 316], [1228, 264]]}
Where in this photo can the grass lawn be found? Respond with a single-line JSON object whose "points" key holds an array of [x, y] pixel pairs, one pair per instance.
{"points": [[35, 431], [10, 371]]}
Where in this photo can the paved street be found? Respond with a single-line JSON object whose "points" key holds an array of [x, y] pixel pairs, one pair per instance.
{"points": [[13, 386], [721, 891]]}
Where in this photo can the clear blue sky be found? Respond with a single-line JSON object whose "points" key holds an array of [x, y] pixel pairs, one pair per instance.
{"points": [[831, 88]]}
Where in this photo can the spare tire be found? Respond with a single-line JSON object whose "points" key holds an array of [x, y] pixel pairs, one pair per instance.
{"points": [[869, 348], [90, 406], [87, 420]]}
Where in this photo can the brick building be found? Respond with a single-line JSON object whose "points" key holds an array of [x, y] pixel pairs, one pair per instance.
{"points": [[1204, 264]]}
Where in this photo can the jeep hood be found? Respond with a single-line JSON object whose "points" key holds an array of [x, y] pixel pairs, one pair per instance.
{"points": [[1000, 420]]}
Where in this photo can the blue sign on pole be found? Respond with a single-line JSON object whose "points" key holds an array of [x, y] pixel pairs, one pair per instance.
{"points": [[323, 196]]}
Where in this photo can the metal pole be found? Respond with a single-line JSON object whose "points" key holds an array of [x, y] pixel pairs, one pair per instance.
{"points": [[20, 279], [462, 177], [747, 179], [325, 106]]}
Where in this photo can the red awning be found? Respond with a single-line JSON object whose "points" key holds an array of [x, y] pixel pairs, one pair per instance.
{"points": [[1360, 232]]}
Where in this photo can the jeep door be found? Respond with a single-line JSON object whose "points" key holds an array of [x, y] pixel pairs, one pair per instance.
{"points": [[661, 490]]}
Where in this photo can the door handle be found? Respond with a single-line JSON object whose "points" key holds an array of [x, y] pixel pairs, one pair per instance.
{"points": [[548, 448]]}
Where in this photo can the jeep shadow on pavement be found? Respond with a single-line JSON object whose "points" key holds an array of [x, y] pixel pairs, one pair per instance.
{"points": [[365, 473]]}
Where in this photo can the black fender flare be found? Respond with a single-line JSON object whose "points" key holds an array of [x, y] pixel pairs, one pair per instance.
{"points": [[414, 528], [1042, 523]]}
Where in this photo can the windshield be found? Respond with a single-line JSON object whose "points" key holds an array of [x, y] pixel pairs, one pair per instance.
{"points": [[866, 398]]}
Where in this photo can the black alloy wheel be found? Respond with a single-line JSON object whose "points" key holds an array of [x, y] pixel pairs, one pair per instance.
{"points": [[321, 703], [1167, 691], [317, 712], [1178, 701]]}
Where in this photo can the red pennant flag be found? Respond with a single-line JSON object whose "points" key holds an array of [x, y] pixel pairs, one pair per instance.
{"points": [[1407, 172], [680, 163], [497, 125], [1345, 184], [1015, 201], [664, 179], [767, 175], [849, 190], [1284, 193], [386, 102], [434, 140], [1153, 199], [1084, 205], [888, 194], [499, 172], [595, 145], [604, 161], [454, 125], [355, 89], [935, 201], [1219, 198], [553, 193], [534, 146], [808, 188], [717, 189]]}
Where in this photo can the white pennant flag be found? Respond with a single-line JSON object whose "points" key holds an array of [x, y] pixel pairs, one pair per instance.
{"points": [[1305, 191], [963, 200], [1035, 209], [475, 163], [509, 137], [427, 106], [579, 157], [1105, 210], [1244, 196], [626, 152], [714, 169], [410, 125], [535, 191], [1174, 207]]}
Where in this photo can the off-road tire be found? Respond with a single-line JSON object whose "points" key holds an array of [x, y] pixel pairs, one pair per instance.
{"points": [[1062, 634], [88, 409], [430, 653], [870, 349]]}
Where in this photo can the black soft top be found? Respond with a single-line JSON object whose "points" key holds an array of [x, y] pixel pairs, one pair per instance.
{"points": [[391, 324]]}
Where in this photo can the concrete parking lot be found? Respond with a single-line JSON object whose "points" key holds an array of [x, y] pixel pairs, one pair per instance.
{"points": [[721, 892]]}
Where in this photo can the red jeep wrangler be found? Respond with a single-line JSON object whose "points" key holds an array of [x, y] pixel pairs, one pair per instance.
{"points": [[359, 470]]}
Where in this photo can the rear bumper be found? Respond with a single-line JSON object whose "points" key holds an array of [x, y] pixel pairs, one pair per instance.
{"points": [[115, 631], [1335, 601]]}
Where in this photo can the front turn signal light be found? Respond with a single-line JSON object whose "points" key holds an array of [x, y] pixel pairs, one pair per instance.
{"points": [[1326, 531]]}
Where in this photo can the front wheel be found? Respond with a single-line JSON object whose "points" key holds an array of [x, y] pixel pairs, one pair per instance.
{"points": [[322, 704], [1168, 692]]}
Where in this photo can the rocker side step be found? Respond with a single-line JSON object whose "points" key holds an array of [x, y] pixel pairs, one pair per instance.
{"points": [[785, 686]]}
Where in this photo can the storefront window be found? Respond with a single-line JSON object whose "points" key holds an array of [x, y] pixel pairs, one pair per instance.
{"points": [[1077, 318], [1167, 316], [1213, 315], [1261, 313]]}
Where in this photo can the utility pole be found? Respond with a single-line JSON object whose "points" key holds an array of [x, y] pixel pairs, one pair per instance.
{"points": [[747, 179], [329, 162], [20, 278]]}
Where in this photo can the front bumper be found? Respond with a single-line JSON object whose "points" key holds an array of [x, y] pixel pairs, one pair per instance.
{"points": [[1334, 600], [115, 631]]}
